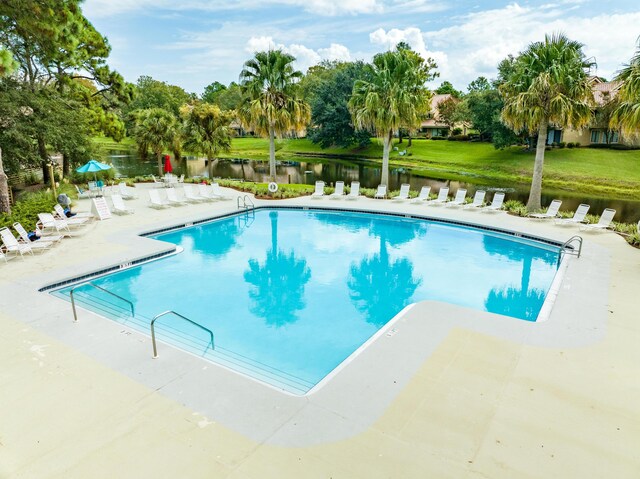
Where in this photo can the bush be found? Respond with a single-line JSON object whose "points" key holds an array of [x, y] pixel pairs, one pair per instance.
{"points": [[28, 205], [562, 144], [457, 131], [438, 137], [570, 144], [515, 207], [459, 138]]}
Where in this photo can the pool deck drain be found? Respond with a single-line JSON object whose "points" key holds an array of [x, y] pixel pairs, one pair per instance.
{"points": [[451, 393]]}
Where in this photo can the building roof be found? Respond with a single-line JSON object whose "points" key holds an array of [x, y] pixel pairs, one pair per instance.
{"points": [[604, 91]]}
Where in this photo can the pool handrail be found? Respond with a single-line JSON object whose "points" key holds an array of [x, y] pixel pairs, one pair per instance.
{"points": [[153, 333], [73, 302], [246, 201], [567, 248]]}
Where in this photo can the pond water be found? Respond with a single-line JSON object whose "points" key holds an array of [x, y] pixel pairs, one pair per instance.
{"points": [[309, 170]]}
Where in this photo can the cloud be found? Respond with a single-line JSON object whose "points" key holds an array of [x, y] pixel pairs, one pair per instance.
{"points": [[335, 52]]}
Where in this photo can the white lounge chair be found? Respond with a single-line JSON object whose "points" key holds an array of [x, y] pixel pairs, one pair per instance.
{"points": [[478, 200], [78, 218], [156, 201], [49, 223], [126, 192], [354, 191], [338, 192], [191, 194], [578, 217], [47, 236], [319, 191], [423, 195], [181, 179], [382, 192], [12, 245], [172, 197], [552, 211], [443, 197], [217, 191], [459, 199], [40, 244], [156, 182], [119, 206], [603, 223], [3, 256], [83, 193], [496, 203], [206, 192], [404, 192]]}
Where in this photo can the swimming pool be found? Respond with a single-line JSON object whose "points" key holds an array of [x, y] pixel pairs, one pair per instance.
{"points": [[289, 294]]}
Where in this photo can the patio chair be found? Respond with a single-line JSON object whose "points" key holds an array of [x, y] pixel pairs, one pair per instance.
{"points": [[119, 206], [49, 223], [83, 193], [443, 197], [191, 195], [126, 192], [578, 217], [354, 191], [156, 201], [382, 192], [496, 203], [217, 191], [459, 199], [206, 192], [172, 197], [12, 245], [181, 179], [423, 195], [552, 211], [78, 218], [40, 244], [156, 182], [603, 223], [478, 200], [404, 192], [338, 192], [319, 191], [47, 236]]}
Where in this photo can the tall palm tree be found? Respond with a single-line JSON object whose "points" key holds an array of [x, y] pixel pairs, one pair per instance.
{"points": [[393, 97], [155, 128], [271, 105], [549, 84], [627, 115], [207, 130]]}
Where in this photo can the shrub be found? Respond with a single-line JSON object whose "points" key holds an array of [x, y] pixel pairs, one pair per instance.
{"points": [[28, 205], [438, 137], [515, 207], [457, 131], [459, 138], [562, 144], [570, 144]]}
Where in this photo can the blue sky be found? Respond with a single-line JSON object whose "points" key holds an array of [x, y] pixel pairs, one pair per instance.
{"points": [[192, 43]]}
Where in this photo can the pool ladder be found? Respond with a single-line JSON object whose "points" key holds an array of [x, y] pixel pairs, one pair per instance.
{"points": [[247, 203], [567, 247], [153, 333], [73, 302]]}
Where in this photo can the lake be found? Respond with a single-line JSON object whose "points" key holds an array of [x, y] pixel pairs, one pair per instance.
{"points": [[309, 170]]}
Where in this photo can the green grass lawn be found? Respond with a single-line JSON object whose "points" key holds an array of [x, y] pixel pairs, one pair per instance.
{"points": [[614, 173]]}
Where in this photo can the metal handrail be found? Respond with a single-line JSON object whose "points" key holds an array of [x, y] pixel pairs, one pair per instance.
{"points": [[153, 333], [565, 248], [73, 302], [245, 199]]}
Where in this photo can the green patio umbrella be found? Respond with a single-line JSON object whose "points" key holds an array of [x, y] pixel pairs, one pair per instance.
{"points": [[93, 166]]}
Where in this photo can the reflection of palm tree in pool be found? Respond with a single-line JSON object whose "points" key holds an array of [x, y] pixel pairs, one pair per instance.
{"points": [[380, 287], [279, 282], [523, 303], [217, 241]]}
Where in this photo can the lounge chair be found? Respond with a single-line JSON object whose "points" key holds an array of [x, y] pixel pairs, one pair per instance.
{"points": [[47, 236], [156, 201], [354, 191], [83, 193], [478, 200], [126, 192], [172, 197], [404, 192], [496, 203], [206, 192], [48, 223], [339, 191], [191, 194], [443, 197], [459, 199], [156, 182], [3, 256], [79, 218], [552, 211], [603, 223], [217, 191], [181, 179], [12, 245], [40, 244], [578, 217], [319, 191], [382, 192], [423, 195], [119, 206]]}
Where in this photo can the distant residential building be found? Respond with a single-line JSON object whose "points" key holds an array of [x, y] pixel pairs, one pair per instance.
{"points": [[433, 125]]}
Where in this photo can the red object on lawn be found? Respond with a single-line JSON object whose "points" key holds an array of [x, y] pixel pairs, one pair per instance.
{"points": [[167, 164]]}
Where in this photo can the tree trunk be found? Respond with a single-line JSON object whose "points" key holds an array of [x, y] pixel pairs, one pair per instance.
{"points": [[5, 204], [66, 166], [42, 150], [386, 148], [409, 142], [210, 166], [536, 182], [159, 155], [272, 154]]}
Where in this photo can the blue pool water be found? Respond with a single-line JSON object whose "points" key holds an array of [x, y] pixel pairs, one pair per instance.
{"points": [[290, 294]]}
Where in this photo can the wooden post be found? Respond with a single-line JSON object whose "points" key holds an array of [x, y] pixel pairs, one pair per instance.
{"points": [[53, 181]]}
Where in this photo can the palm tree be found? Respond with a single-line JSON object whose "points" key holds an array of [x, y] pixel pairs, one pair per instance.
{"points": [[271, 106], [155, 128], [393, 97], [627, 115], [549, 83], [207, 130]]}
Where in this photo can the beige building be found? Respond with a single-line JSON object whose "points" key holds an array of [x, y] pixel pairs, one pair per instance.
{"points": [[433, 125]]}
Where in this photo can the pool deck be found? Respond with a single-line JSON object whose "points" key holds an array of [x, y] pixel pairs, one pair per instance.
{"points": [[442, 391]]}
